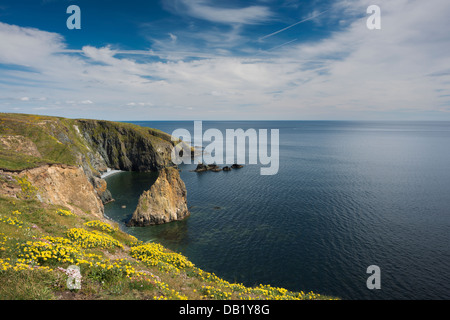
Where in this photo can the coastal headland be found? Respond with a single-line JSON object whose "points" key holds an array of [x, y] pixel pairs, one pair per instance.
{"points": [[52, 219]]}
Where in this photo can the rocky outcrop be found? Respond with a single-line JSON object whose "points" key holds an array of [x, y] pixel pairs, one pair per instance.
{"points": [[164, 202], [201, 167], [65, 158], [66, 186]]}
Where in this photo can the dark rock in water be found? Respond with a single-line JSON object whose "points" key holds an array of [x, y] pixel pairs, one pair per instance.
{"points": [[217, 208], [201, 167]]}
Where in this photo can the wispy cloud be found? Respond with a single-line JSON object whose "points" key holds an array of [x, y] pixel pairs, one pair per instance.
{"points": [[205, 10], [399, 71]]}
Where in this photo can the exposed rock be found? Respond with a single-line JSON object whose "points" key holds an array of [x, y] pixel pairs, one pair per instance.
{"points": [[102, 191], [67, 186], [237, 166], [226, 168], [165, 201], [126, 147]]}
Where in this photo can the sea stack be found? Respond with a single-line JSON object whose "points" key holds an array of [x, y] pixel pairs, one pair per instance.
{"points": [[166, 201]]}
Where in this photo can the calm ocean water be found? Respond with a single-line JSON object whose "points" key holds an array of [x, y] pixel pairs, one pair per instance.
{"points": [[347, 195]]}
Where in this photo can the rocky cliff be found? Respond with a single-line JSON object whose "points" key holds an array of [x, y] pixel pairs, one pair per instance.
{"points": [[66, 186], [64, 158], [126, 147], [164, 202]]}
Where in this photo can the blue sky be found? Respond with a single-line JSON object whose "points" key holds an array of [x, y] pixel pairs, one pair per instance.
{"points": [[237, 60]]}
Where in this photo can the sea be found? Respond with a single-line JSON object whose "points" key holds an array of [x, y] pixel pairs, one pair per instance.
{"points": [[348, 195]]}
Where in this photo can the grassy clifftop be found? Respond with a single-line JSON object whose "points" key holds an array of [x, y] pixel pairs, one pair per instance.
{"points": [[28, 141], [38, 243]]}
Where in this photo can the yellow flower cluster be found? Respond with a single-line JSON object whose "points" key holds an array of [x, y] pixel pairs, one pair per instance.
{"points": [[28, 190], [16, 212], [4, 264], [12, 221], [211, 292], [208, 276], [39, 252], [102, 226], [267, 292], [222, 289], [154, 254], [58, 240], [64, 213], [104, 269], [19, 265], [92, 239], [146, 281], [3, 240]]}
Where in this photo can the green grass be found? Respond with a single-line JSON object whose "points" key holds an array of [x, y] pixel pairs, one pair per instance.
{"points": [[29, 285], [42, 131], [107, 273]]}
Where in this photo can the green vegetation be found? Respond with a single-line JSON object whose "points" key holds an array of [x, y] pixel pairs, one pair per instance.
{"points": [[38, 242], [28, 141]]}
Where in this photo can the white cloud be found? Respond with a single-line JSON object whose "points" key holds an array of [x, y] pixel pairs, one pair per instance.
{"points": [[400, 71], [27, 46]]}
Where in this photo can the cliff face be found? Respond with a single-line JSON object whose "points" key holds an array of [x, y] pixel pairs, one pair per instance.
{"points": [[126, 147], [66, 186], [164, 202], [64, 159]]}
